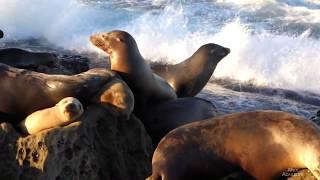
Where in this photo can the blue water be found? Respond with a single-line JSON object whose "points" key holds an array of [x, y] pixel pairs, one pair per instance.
{"points": [[274, 43]]}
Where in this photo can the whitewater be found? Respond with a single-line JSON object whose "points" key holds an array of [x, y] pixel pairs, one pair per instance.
{"points": [[274, 61]]}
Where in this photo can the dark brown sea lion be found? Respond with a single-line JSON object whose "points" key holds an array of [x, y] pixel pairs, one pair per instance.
{"points": [[1, 34], [24, 59], [148, 89], [162, 118], [191, 75], [24, 92], [263, 143]]}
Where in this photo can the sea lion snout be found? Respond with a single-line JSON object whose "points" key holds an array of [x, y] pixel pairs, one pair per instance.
{"points": [[224, 52], [227, 51], [72, 107]]}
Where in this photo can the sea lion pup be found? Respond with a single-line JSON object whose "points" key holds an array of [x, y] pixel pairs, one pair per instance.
{"points": [[126, 60], [24, 59], [263, 143], [188, 77], [24, 92], [169, 115], [66, 111]]}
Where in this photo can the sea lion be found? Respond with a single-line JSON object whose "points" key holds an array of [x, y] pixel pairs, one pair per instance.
{"points": [[24, 59], [66, 111], [24, 92], [119, 96], [188, 77], [125, 58], [263, 143], [166, 116], [1, 34]]}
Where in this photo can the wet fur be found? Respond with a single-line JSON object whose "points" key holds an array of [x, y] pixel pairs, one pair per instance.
{"points": [[261, 143]]}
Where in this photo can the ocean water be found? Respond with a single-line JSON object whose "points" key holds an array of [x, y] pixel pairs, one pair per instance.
{"points": [[275, 44]]}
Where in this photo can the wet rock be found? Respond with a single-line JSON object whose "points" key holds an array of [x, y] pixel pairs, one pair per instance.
{"points": [[100, 146], [303, 174], [51, 63], [1, 34], [64, 64], [74, 63], [316, 118]]}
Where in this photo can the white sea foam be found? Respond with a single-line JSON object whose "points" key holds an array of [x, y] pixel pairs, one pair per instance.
{"points": [[265, 59], [174, 31]]}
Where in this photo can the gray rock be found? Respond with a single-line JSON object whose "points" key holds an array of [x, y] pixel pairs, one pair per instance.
{"points": [[100, 146], [316, 118]]}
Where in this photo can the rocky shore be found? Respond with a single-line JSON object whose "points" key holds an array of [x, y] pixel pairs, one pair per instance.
{"points": [[102, 145]]}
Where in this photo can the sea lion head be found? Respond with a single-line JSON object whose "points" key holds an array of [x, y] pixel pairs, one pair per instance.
{"points": [[114, 42], [213, 50], [70, 109]]}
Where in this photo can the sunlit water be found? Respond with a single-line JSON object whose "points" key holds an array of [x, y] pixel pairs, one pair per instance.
{"points": [[275, 44]]}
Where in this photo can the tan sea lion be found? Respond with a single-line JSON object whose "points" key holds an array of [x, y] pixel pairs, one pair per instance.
{"points": [[126, 60], [25, 59], [66, 111], [166, 116], [24, 92], [119, 96], [263, 143], [188, 77]]}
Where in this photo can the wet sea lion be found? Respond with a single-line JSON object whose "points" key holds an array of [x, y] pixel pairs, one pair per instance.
{"points": [[263, 143], [1, 34], [161, 119], [188, 77], [126, 60], [23, 91], [119, 96], [24, 59], [66, 111]]}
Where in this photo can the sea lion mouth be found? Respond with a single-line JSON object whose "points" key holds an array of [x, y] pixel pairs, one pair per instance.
{"points": [[96, 41], [99, 42], [108, 50]]}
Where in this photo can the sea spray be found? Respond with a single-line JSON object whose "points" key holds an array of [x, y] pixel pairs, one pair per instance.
{"points": [[273, 43]]}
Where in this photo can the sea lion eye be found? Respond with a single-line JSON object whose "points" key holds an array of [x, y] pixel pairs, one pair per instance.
{"points": [[119, 40]]}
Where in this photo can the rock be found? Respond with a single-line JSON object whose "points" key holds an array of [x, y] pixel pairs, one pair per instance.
{"points": [[75, 64], [303, 174], [65, 64], [100, 146], [57, 63], [8, 165], [1, 34], [316, 118]]}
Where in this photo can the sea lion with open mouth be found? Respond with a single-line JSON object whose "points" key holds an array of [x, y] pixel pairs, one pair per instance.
{"points": [[148, 88]]}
